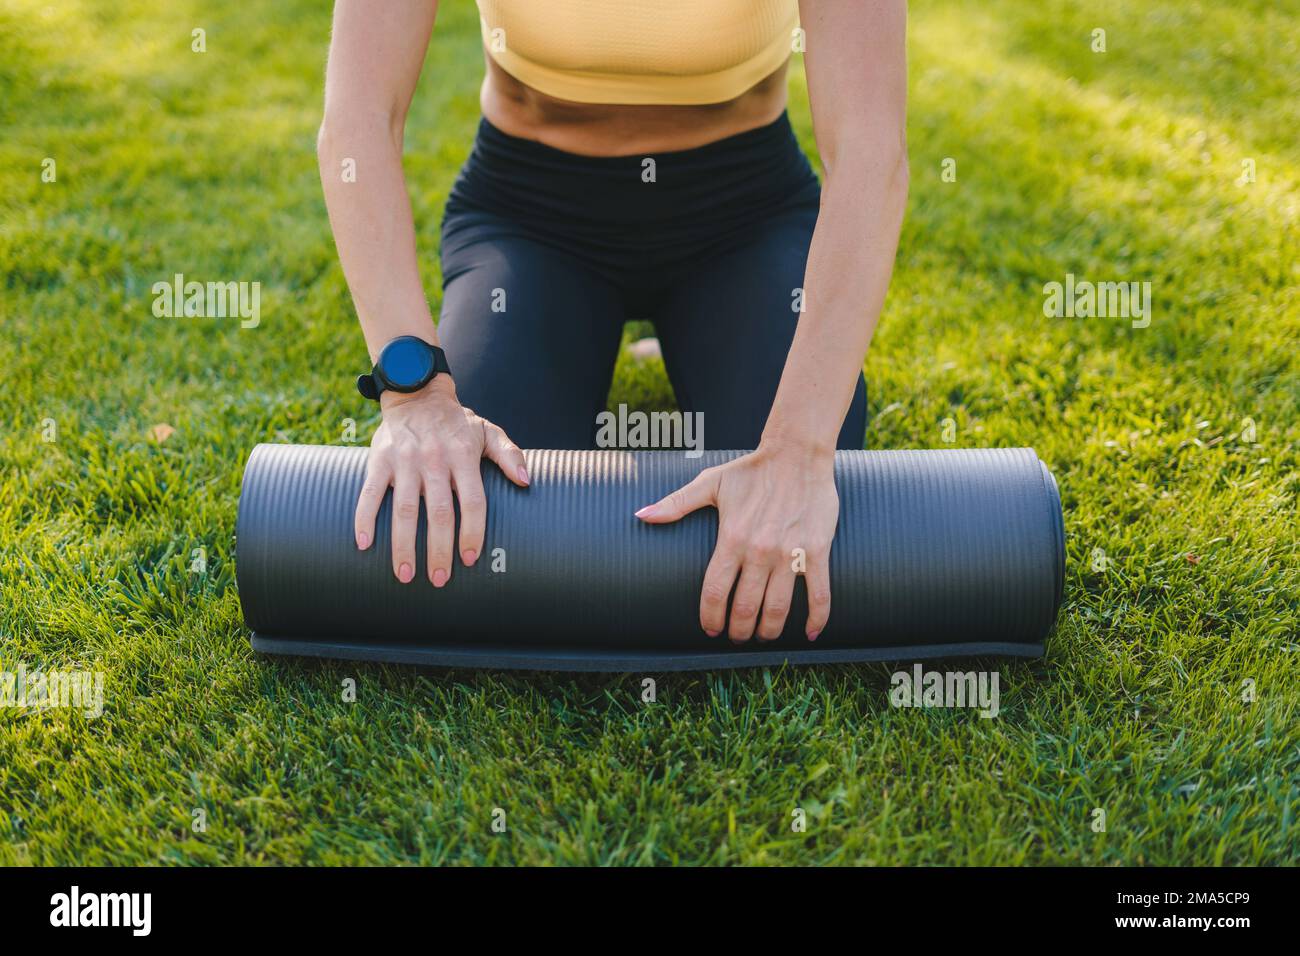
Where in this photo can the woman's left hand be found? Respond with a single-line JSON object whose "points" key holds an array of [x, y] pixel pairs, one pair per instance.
{"points": [[777, 512]]}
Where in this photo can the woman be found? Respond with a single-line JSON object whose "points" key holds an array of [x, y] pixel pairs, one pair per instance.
{"points": [[634, 161]]}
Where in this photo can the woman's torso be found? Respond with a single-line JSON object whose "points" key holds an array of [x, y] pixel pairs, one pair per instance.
{"points": [[627, 77]]}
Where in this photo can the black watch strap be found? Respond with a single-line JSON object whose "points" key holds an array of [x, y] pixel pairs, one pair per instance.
{"points": [[440, 366], [368, 387]]}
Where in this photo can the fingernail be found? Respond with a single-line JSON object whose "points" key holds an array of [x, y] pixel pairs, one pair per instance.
{"points": [[363, 540], [523, 474], [439, 578], [711, 633], [469, 557], [404, 573], [646, 512], [813, 635]]}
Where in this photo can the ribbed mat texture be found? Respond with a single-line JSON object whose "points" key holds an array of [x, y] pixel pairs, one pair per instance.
{"points": [[935, 549]]}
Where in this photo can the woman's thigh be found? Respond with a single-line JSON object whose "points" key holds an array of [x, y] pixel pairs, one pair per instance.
{"points": [[725, 330], [531, 336]]}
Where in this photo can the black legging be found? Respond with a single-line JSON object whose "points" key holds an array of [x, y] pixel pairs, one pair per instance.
{"points": [[546, 254]]}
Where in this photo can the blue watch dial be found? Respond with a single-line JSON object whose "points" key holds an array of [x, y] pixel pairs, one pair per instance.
{"points": [[406, 363]]}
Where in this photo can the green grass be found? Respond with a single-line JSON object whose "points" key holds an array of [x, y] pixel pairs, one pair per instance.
{"points": [[1114, 166]]}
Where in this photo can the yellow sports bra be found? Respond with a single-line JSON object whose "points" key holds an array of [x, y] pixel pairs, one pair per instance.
{"points": [[677, 52]]}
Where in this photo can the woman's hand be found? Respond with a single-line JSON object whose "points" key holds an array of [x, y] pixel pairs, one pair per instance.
{"points": [[772, 504], [430, 445]]}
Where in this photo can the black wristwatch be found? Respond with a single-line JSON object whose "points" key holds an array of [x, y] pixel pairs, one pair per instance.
{"points": [[406, 364]]}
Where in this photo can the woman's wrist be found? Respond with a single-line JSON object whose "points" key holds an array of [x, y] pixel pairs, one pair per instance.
{"points": [[439, 387], [804, 420], [419, 325], [780, 441]]}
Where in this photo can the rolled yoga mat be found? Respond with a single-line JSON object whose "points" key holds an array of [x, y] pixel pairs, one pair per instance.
{"points": [[937, 554]]}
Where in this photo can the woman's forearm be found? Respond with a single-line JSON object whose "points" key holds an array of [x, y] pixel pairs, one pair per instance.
{"points": [[849, 265], [376, 53], [373, 227], [856, 64]]}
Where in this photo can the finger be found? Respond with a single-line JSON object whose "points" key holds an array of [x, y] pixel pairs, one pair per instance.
{"points": [[747, 601], [718, 579], [818, 581], [508, 457], [406, 511], [776, 602], [441, 528], [473, 510], [378, 478], [699, 493]]}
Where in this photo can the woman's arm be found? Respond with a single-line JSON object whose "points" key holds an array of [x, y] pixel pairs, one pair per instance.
{"points": [[781, 500], [376, 52], [428, 445], [857, 88]]}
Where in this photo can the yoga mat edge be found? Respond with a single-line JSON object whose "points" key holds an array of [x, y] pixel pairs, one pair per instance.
{"points": [[589, 661]]}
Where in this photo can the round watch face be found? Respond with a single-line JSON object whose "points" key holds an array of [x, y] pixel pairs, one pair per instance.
{"points": [[406, 363]]}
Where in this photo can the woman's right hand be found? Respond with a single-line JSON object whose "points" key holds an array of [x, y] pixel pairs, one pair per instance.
{"points": [[430, 446]]}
